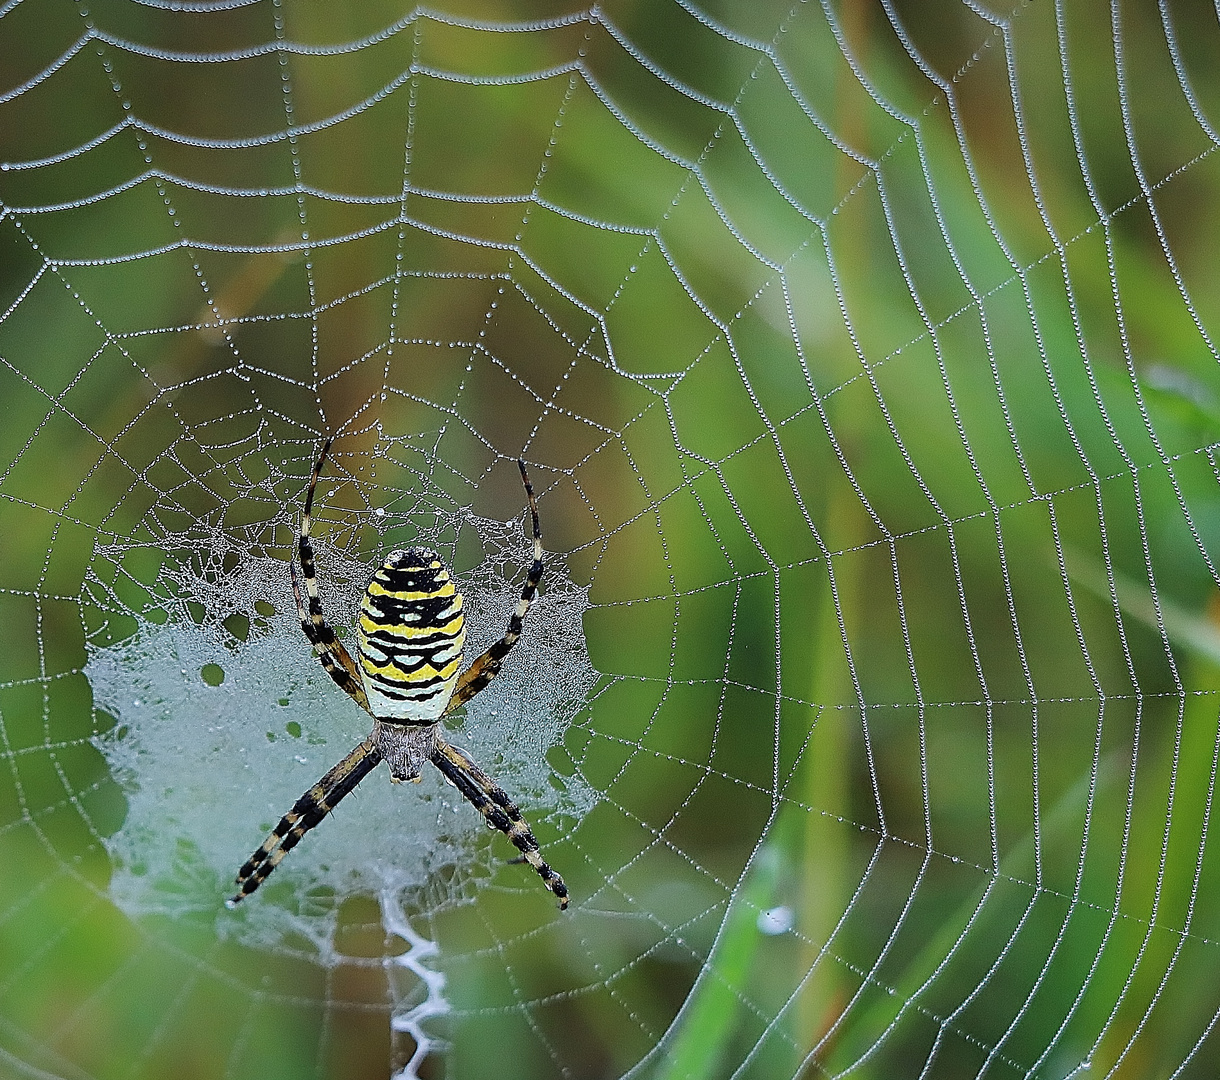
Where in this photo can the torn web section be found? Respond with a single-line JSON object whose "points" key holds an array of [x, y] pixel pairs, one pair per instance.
{"points": [[223, 717]]}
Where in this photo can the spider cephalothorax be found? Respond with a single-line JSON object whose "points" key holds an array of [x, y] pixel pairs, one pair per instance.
{"points": [[410, 635]]}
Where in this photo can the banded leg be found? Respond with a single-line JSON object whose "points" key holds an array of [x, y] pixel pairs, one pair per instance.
{"points": [[306, 812], [329, 649], [487, 666], [501, 812]]}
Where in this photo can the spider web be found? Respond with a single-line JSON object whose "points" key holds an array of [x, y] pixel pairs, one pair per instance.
{"points": [[863, 359]]}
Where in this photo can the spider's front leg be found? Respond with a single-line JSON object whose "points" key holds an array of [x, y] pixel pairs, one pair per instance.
{"points": [[501, 812], [306, 812]]}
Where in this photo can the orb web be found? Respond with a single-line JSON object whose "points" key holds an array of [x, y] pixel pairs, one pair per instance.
{"points": [[863, 356]]}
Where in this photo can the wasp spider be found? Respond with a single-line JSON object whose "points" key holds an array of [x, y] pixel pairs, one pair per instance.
{"points": [[410, 636]]}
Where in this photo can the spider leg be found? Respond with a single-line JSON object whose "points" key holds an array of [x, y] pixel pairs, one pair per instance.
{"points": [[335, 658], [344, 671], [500, 811], [306, 812], [487, 666]]}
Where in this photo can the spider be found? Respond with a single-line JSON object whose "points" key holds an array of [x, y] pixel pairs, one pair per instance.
{"points": [[410, 634]]}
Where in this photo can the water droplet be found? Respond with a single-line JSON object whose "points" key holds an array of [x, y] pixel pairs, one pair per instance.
{"points": [[776, 920]]}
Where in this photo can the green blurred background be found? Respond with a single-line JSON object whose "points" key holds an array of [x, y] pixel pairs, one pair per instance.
{"points": [[864, 357]]}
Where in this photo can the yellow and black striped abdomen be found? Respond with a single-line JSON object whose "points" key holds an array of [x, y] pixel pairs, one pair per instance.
{"points": [[411, 634]]}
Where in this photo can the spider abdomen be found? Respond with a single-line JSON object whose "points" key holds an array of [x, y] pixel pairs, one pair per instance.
{"points": [[411, 631]]}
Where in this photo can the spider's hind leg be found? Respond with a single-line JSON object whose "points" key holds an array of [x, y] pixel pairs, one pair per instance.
{"points": [[336, 660], [500, 811], [487, 667]]}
